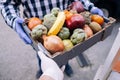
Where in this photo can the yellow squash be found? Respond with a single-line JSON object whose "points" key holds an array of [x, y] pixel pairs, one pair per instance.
{"points": [[58, 24]]}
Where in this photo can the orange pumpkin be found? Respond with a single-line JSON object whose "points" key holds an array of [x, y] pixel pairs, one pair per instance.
{"points": [[34, 21], [68, 14], [97, 19]]}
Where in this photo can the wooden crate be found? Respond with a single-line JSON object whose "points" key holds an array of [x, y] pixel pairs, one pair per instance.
{"points": [[63, 57], [79, 48]]}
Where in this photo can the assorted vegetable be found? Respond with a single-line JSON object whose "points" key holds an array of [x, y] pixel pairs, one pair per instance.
{"points": [[75, 21], [78, 36], [86, 16], [60, 30], [49, 20], [64, 33], [88, 30], [34, 21], [68, 14], [68, 44], [97, 19], [58, 24], [53, 43], [55, 11], [38, 31], [77, 6], [95, 27]]}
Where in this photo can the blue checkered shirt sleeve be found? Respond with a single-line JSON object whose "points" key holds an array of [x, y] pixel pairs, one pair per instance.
{"points": [[34, 8], [9, 10]]}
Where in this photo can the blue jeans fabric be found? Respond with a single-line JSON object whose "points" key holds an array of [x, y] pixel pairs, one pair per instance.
{"points": [[39, 63]]}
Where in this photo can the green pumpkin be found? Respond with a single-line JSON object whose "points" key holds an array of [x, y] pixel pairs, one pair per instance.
{"points": [[49, 20], [68, 44], [64, 33], [38, 31], [55, 11], [86, 15], [78, 36]]}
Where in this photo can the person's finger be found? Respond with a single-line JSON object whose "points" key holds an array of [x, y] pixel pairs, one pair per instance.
{"points": [[22, 34], [41, 54], [20, 20], [63, 68], [100, 12], [26, 39]]}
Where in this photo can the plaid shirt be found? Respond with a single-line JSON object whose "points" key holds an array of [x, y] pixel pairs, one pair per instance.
{"points": [[33, 8]]}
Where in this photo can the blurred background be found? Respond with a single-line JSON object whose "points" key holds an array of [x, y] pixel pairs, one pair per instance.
{"points": [[110, 7]]}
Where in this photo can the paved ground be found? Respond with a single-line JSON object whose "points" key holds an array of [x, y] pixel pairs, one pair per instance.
{"points": [[18, 61]]}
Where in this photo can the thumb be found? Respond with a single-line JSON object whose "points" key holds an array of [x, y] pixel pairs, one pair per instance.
{"points": [[41, 55], [63, 68], [22, 34], [100, 12], [94, 10], [45, 59]]}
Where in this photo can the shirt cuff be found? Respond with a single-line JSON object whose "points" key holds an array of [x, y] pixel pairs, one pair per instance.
{"points": [[14, 22]]}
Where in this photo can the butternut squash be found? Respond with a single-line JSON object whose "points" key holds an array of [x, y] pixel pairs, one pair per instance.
{"points": [[57, 24]]}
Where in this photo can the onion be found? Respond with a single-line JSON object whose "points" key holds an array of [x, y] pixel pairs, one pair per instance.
{"points": [[78, 6], [75, 21], [53, 43]]}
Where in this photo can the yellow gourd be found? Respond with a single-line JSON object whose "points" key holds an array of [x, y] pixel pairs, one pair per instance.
{"points": [[58, 24]]}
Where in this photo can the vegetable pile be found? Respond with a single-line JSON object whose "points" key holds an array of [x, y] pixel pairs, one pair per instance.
{"points": [[60, 30]]}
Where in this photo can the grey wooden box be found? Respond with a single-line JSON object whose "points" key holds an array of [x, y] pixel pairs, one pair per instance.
{"points": [[79, 48], [62, 59]]}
